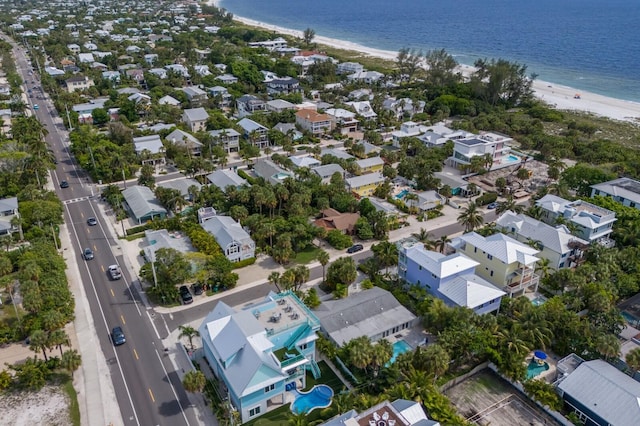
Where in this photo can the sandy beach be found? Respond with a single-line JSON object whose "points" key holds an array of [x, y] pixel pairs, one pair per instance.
{"points": [[561, 97]]}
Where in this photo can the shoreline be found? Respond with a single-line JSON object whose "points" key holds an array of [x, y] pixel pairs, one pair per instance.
{"points": [[560, 97]]}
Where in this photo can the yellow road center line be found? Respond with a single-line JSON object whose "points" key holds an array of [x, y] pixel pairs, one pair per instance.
{"points": [[151, 395], [112, 293], [136, 353]]}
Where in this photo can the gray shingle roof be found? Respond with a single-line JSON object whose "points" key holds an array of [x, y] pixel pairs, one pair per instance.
{"points": [[181, 185], [226, 230], [328, 170], [365, 313], [142, 201], [224, 178], [180, 137], [196, 114], [605, 391]]}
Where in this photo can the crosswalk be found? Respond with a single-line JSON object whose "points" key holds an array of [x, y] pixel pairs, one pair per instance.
{"points": [[76, 200]]}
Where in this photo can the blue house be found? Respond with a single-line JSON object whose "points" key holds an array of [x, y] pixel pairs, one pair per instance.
{"points": [[451, 278], [262, 352]]}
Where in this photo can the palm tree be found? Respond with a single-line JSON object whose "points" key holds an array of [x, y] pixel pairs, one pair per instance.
{"points": [[194, 381], [509, 205], [360, 352], [188, 332], [381, 354], [608, 346], [39, 341], [323, 258], [633, 359], [71, 361], [441, 243], [511, 340], [274, 278], [437, 359], [58, 338], [471, 217], [543, 267], [387, 253], [424, 237]]}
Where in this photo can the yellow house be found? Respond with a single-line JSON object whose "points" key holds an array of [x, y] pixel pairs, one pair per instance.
{"points": [[504, 262], [370, 165], [364, 185]]}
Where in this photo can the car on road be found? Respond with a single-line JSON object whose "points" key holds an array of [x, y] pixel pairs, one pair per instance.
{"points": [[36, 107], [197, 289], [88, 254], [92, 221], [114, 272], [185, 294], [117, 336], [64, 184], [355, 248], [492, 206]]}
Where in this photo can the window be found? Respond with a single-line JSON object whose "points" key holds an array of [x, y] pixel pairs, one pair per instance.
{"points": [[632, 204], [489, 257], [254, 411], [420, 267], [561, 265], [475, 249], [304, 346], [269, 388], [491, 273]]}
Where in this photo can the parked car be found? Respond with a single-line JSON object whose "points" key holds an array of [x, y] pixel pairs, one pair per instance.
{"points": [[36, 107], [197, 289], [88, 254], [92, 221], [492, 206], [185, 294], [114, 272], [64, 184], [355, 248], [117, 336]]}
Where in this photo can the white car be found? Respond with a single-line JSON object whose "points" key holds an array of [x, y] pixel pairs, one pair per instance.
{"points": [[114, 272]]}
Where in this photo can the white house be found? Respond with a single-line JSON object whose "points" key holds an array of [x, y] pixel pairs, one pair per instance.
{"points": [[235, 242], [625, 191]]}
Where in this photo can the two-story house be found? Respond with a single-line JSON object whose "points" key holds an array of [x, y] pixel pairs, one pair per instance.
{"points": [[220, 96], [261, 352], [451, 278], [492, 145], [196, 119], [625, 191], [149, 149], [370, 165], [196, 96], [344, 120], [235, 242], [408, 129], [555, 243], [8, 211], [254, 132], [228, 138], [349, 68], [186, 141], [589, 222], [506, 263], [314, 122], [283, 86], [248, 104], [78, 82], [364, 185]]}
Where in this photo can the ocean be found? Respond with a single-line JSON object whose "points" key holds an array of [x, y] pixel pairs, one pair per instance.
{"points": [[591, 45]]}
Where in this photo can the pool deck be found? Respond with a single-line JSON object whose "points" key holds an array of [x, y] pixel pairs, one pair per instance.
{"points": [[549, 375]]}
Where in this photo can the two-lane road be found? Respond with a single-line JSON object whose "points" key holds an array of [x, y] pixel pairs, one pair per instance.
{"points": [[147, 387]]}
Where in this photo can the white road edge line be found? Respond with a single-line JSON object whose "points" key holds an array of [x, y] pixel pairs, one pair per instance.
{"points": [[172, 388], [153, 325], [104, 320]]}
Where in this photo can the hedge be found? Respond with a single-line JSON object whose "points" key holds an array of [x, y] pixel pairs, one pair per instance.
{"points": [[243, 263], [486, 198]]}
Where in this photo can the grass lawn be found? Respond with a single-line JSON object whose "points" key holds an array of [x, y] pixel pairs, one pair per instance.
{"points": [[307, 255], [74, 408]]}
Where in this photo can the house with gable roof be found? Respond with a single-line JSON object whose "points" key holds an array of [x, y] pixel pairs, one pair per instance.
{"points": [[314, 122], [235, 242], [226, 178], [451, 278], [555, 243], [331, 219], [228, 138], [254, 132], [506, 263], [370, 164], [624, 190], [185, 140], [261, 352], [149, 149], [143, 204], [270, 171], [195, 118], [364, 185]]}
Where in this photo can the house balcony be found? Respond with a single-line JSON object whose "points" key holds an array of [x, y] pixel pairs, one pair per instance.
{"points": [[522, 280]]}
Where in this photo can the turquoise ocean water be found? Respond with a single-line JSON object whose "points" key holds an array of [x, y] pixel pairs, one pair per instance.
{"points": [[592, 45]]}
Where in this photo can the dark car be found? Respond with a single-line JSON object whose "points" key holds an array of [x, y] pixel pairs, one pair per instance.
{"points": [[88, 254], [492, 206], [64, 184], [92, 221], [355, 248], [117, 336], [185, 294], [197, 289]]}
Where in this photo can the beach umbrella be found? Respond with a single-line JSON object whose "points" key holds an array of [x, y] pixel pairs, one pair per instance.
{"points": [[540, 355]]}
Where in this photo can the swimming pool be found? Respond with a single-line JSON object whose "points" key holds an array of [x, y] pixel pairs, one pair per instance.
{"points": [[400, 195], [318, 397], [512, 158], [538, 301], [399, 348], [534, 369]]}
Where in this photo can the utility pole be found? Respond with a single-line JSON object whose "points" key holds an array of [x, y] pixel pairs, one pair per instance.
{"points": [[55, 240], [92, 159], [68, 118], [124, 179]]}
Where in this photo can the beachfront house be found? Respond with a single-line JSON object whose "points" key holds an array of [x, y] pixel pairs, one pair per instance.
{"points": [[555, 243], [262, 352], [590, 222], [506, 263], [493, 146], [451, 278]]}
